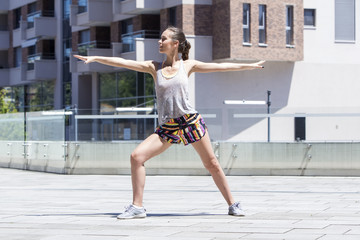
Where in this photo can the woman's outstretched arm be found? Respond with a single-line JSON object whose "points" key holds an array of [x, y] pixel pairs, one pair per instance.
{"points": [[139, 66], [202, 67]]}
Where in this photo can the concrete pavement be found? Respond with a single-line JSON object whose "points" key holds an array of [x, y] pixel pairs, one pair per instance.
{"points": [[45, 206]]}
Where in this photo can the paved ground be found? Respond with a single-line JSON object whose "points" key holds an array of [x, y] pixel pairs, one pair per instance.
{"points": [[56, 207]]}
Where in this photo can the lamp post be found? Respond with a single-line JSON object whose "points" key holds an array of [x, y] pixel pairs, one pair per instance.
{"points": [[268, 103]]}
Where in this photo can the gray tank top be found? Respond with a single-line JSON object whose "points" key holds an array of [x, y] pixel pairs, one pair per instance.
{"points": [[172, 95]]}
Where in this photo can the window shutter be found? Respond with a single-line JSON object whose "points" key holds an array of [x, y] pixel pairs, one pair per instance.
{"points": [[345, 20]]}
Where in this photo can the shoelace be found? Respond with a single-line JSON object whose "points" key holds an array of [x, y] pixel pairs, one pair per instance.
{"points": [[236, 205], [130, 208]]}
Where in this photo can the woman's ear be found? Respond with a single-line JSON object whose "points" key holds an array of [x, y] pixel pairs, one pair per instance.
{"points": [[176, 44]]}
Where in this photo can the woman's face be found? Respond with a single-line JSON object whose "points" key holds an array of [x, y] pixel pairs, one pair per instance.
{"points": [[166, 44]]}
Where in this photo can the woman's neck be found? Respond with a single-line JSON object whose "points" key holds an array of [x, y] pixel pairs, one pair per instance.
{"points": [[171, 59]]}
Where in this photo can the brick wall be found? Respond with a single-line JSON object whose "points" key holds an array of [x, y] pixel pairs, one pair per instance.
{"points": [[221, 28], [75, 40], [165, 18], [276, 35], [196, 19], [115, 31]]}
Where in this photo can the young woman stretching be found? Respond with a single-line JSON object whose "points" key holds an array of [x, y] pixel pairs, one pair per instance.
{"points": [[178, 120]]}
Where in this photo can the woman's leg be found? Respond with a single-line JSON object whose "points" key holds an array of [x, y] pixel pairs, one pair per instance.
{"points": [[206, 153], [150, 147]]}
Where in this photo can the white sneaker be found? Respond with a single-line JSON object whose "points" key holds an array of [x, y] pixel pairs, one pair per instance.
{"points": [[236, 210], [132, 212]]}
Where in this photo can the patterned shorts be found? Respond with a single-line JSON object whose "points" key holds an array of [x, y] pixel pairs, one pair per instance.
{"points": [[187, 129]]}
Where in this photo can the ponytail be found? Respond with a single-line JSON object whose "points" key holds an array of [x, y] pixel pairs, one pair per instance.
{"points": [[184, 49]]}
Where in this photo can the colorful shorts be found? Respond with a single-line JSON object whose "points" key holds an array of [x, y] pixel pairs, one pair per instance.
{"points": [[187, 129]]}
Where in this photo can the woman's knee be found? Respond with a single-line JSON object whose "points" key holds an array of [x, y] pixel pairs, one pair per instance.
{"points": [[212, 164], [136, 158]]}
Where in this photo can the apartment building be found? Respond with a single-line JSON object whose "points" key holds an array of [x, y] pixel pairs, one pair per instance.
{"points": [[309, 47]]}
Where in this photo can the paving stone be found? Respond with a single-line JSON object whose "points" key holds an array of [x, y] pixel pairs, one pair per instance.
{"points": [[45, 206]]}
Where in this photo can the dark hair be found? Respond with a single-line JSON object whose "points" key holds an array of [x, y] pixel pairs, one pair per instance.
{"points": [[184, 45]]}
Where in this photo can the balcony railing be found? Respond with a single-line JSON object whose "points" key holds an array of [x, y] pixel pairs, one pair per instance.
{"points": [[83, 6], [32, 16], [128, 39], [83, 47], [38, 56]]}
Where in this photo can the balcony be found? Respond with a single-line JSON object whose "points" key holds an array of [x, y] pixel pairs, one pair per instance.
{"points": [[40, 24], [18, 34], [90, 15], [137, 6], [94, 48], [4, 40], [41, 66], [4, 77], [4, 6], [140, 45], [17, 75]]}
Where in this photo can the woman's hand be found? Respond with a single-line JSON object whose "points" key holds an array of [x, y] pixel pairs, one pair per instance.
{"points": [[259, 64], [86, 59]]}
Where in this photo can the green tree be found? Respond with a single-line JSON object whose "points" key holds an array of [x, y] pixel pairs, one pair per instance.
{"points": [[12, 123]]}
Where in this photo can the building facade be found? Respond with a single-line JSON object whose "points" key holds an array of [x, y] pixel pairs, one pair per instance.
{"points": [[309, 46]]}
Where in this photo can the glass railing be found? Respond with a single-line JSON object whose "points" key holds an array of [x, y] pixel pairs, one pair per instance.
{"points": [[83, 6], [36, 57], [31, 17], [83, 47], [67, 140], [224, 124], [128, 39]]}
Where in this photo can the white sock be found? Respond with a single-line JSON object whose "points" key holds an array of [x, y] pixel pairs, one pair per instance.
{"points": [[137, 207]]}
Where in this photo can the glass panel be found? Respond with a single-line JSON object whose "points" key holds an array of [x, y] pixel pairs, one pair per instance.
{"points": [[82, 6], [107, 85], [289, 25], [45, 126], [246, 13], [12, 126], [48, 95], [262, 23], [345, 20], [246, 22], [309, 17], [126, 84], [66, 9]]}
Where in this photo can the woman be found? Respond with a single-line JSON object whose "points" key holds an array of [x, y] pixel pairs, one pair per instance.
{"points": [[178, 120]]}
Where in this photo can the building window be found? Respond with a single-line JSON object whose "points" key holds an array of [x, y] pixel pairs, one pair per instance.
{"points": [[66, 39], [300, 128], [309, 17], [32, 14], [40, 96], [246, 23], [125, 89], [127, 38], [345, 20], [172, 16], [84, 43], [262, 24], [17, 18], [289, 25]]}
